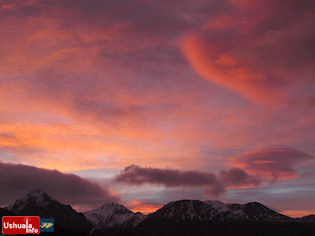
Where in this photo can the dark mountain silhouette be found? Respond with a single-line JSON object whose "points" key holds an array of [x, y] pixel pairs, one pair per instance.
{"points": [[218, 212], [4, 212], [308, 219], [38, 203], [193, 217], [184, 217]]}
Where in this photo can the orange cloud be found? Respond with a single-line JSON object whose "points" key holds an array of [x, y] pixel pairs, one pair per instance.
{"points": [[254, 50], [79, 91], [144, 208], [226, 70], [86, 86], [297, 213]]}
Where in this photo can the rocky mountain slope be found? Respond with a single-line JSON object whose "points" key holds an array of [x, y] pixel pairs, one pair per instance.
{"points": [[218, 212], [194, 217], [183, 217], [38, 203], [113, 215]]}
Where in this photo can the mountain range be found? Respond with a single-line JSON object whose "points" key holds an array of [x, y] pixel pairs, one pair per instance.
{"points": [[114, 215], [183, 217]]}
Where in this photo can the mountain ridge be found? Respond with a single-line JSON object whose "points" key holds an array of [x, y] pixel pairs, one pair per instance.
{"points": [[112, 217], [216, 211], [39, 203]]}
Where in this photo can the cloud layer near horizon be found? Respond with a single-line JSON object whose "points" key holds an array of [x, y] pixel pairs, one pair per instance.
{"points": [[262, 165], [213, 185], [273, 163], [17, 180]]}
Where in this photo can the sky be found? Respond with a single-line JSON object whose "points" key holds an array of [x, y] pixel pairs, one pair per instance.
{"points": [[145, 102]]}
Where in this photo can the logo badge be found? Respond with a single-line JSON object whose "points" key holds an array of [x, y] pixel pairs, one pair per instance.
{"points": [[47, 225], [20, 225]]}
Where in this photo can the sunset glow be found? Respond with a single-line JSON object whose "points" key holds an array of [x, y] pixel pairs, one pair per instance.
{"points": [[148, 102]]}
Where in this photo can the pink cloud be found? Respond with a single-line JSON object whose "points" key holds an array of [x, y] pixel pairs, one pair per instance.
{"points": [[103, 83], [273, 163], [260, 51]]}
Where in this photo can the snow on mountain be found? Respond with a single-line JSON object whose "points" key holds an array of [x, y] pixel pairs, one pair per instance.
{"points": [[218, 205], [35, 197], [113, 215], [216, 211], [186, 210], [135, 220], [39, 203], [252, 211]]}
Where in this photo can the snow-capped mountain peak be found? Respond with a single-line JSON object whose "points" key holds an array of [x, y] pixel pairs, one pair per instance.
{"points": [[38, 203], [35, 197], [111, 215], [112, 207], [216, 211], [186, 210]]}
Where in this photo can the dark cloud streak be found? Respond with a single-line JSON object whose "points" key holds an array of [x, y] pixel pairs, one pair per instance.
{"points": [[16, 180], [213, 185]]}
